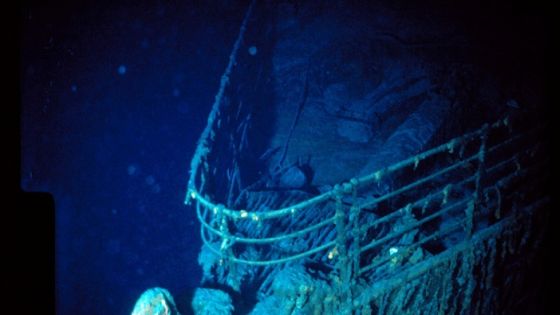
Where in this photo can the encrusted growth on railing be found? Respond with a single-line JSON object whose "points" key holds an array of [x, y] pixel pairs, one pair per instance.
{"points": [[348, 218]]}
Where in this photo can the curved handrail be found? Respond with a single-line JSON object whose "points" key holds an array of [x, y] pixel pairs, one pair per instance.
{"points": [[345, 187]]}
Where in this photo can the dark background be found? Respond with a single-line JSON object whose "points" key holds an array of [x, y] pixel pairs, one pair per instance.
{"points": [[113, 97]]}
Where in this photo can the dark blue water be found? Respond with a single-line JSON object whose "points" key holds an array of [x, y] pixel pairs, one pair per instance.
{"points": [[114, 97]]}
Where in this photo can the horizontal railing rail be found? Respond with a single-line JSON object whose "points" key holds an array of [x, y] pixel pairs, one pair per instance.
{"points": [[215, 218]]}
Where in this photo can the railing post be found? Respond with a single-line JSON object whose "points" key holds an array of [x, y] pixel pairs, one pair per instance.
{"points": [[343, 265], [348, 262], [354, 219], [340, 222], [225, 245], [475, 202]]}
